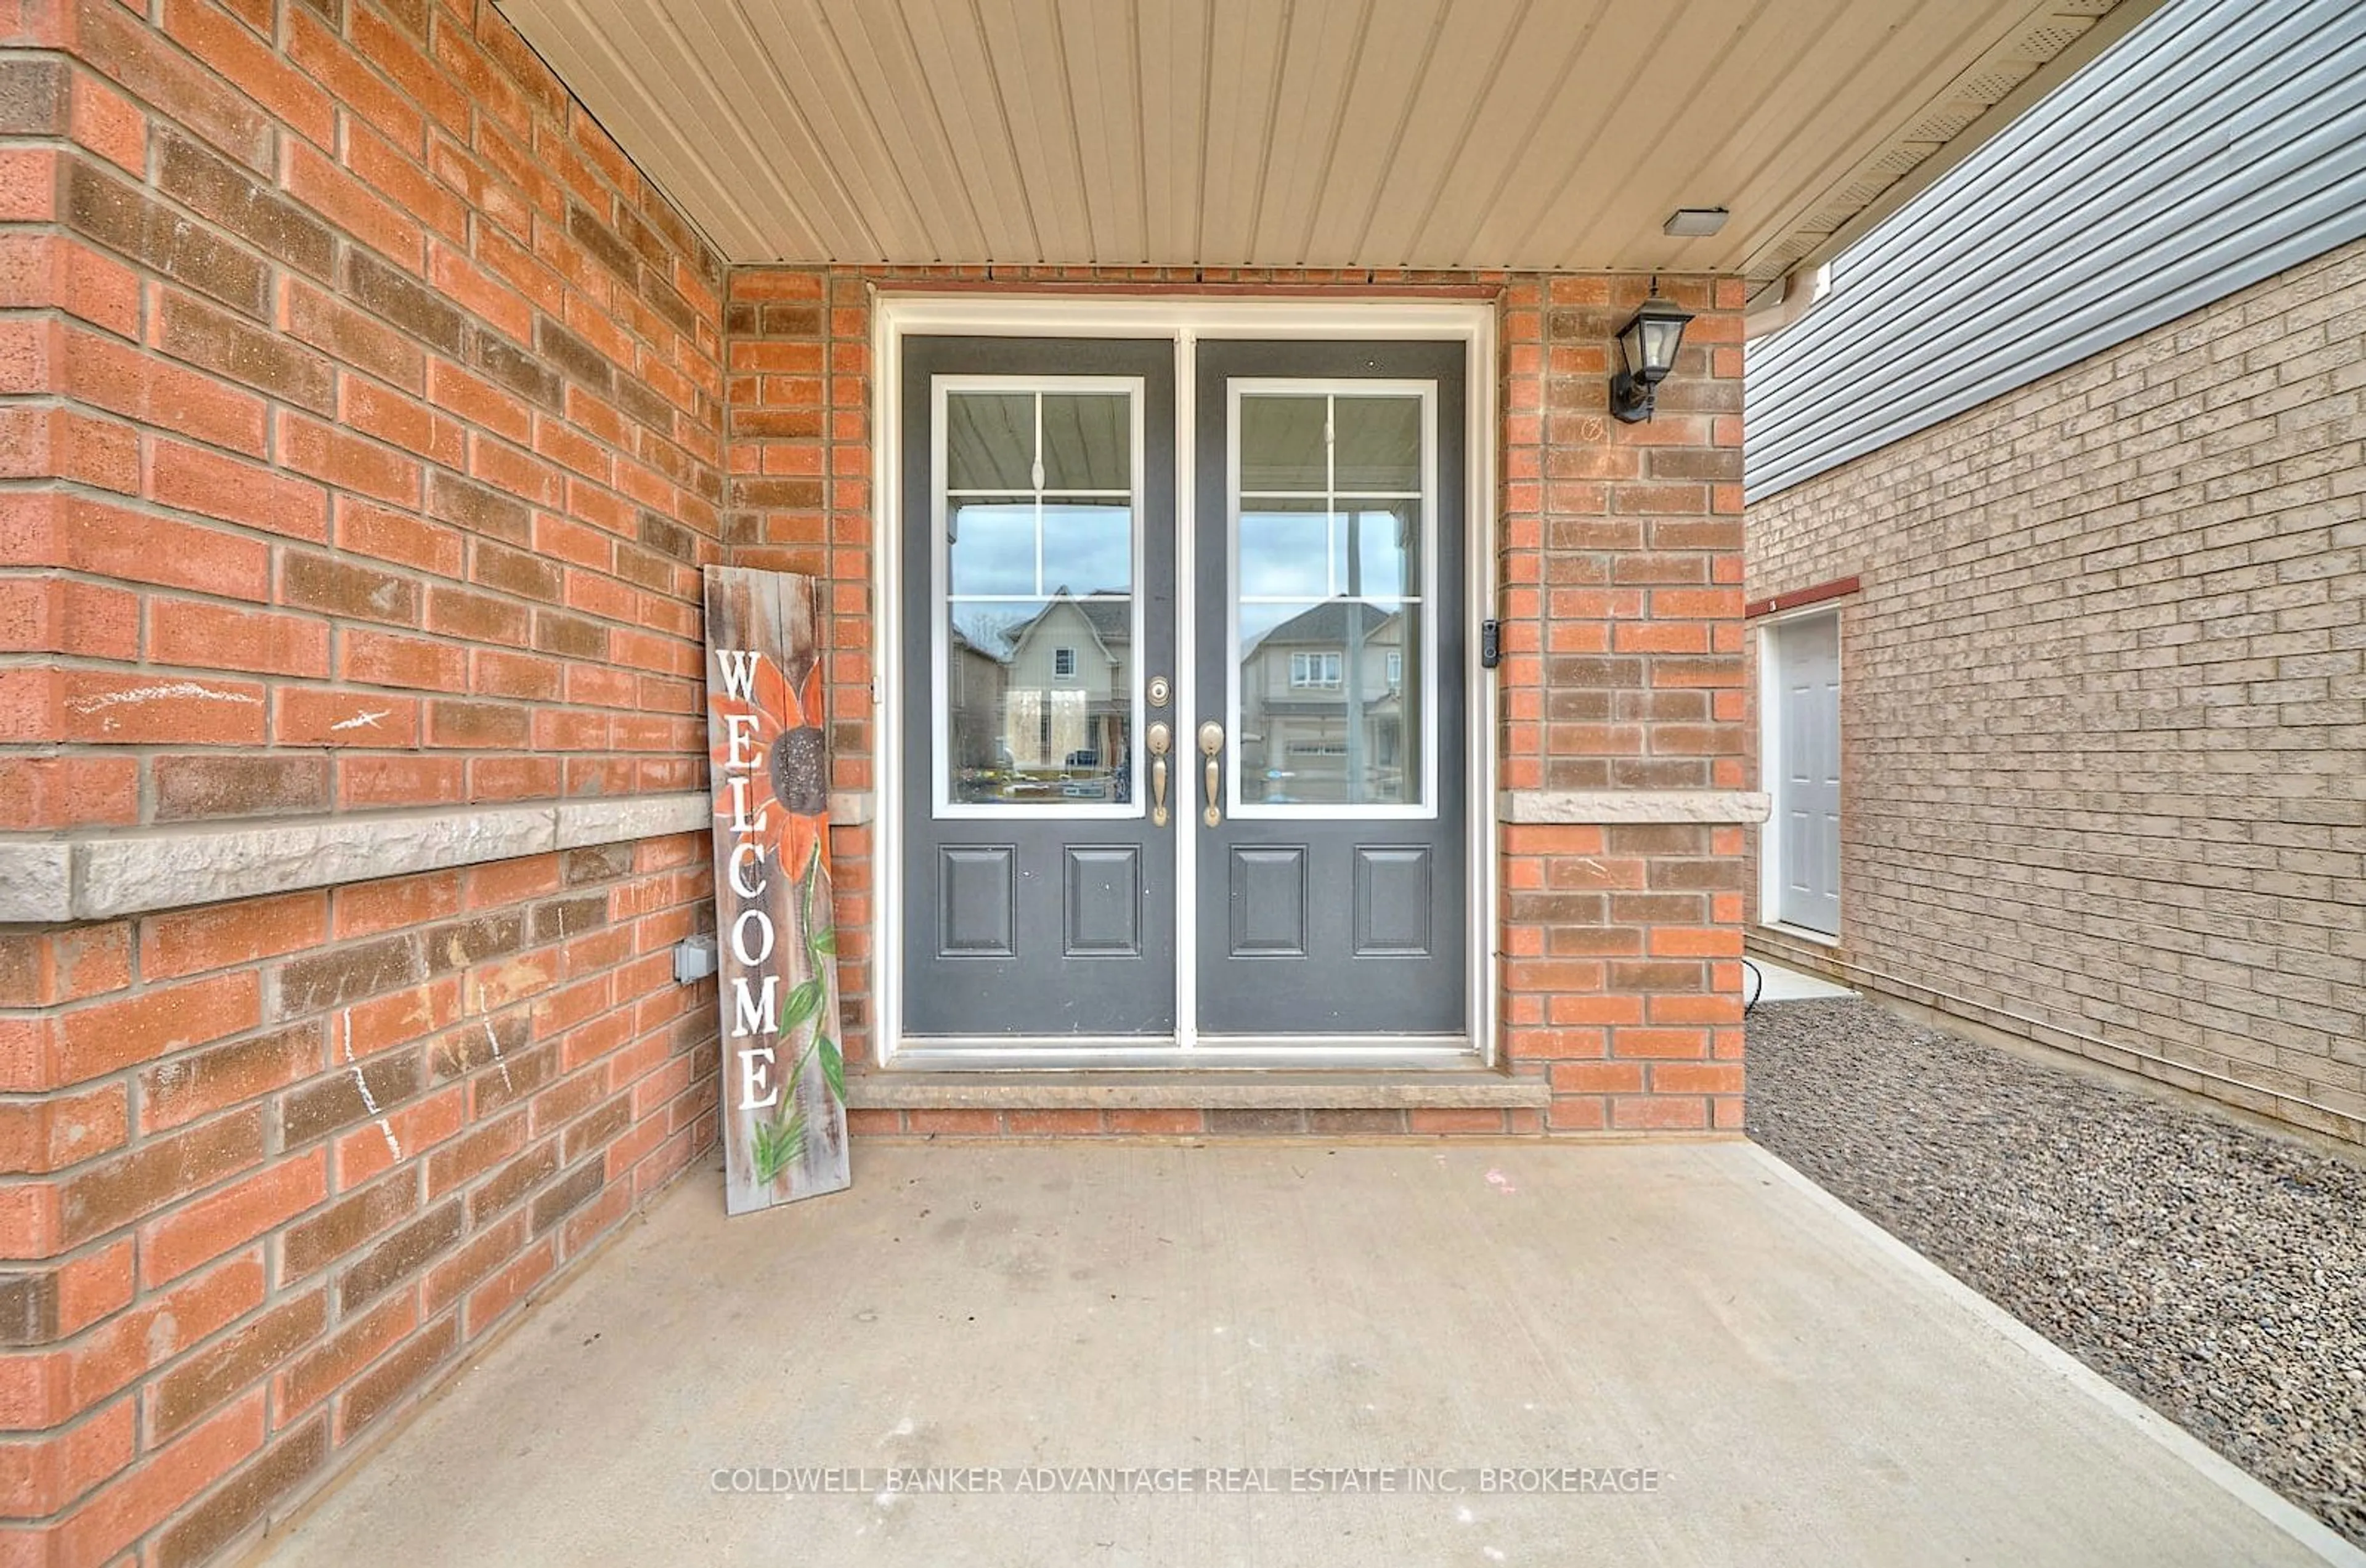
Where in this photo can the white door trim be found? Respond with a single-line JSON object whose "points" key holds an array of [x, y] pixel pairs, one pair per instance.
{"points": [[1183, 320], [1771, 765]]}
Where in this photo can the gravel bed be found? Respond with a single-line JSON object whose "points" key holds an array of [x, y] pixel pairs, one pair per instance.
{"points": [[2215, 1271]]}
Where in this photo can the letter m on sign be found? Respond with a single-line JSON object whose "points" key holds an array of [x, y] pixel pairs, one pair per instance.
{"points": [[783, 1063]]}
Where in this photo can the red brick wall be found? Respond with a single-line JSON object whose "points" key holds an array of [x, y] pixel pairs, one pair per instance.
{"points": [[360, 430], [797, 450], [1620, 563], [1622, 602], [379, 393], [281, 1162]]}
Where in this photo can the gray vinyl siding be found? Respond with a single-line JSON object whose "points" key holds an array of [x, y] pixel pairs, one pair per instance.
{"points": [[2219, 143]]}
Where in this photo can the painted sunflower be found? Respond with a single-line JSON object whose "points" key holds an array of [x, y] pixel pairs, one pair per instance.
{"points": [[789, 790]]}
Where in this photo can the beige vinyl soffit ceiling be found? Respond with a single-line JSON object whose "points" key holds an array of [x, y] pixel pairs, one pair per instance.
{"points": [[1534, 134]]}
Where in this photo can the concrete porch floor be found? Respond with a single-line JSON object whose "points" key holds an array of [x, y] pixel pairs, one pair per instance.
{"points": [[1809, 1391]]}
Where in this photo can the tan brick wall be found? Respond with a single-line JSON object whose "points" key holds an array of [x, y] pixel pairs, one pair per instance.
{"points": [[1619, 559], [2103, 714]]}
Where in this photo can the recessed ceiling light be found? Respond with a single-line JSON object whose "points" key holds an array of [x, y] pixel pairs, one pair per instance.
{"points": [[1694, 222]]}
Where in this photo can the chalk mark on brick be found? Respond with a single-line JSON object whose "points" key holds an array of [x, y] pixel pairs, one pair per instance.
{"points": [[369, 1101], [155, 693], [493, 1039]]}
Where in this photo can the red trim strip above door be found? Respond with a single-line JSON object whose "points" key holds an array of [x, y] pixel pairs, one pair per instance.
{"points": [[1837, 588]]}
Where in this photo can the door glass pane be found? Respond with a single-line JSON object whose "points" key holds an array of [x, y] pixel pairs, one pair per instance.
{"points": [[1040, 707], [989, 440], [1281, 445], [1379, 444], [1330, 694], [1087, 544], [991, 546], [1326, 592], [1039, 669], [1284, 547], [1376, 548], [1088, 440]]}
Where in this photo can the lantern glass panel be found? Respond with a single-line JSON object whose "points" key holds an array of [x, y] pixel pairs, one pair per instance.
{"points": [[1661, 335], [1630, 347]]}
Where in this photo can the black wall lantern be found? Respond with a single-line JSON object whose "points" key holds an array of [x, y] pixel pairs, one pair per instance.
{"points": [[1649, 342]]}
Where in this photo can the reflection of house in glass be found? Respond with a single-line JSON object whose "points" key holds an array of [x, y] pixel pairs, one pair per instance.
{"points": [[1324, 707], [974, 679], [1041, 708]]}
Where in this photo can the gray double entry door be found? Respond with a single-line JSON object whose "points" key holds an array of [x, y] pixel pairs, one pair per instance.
{"points": [[1181, 781]]}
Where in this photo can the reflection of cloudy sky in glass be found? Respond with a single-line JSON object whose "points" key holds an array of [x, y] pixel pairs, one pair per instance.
{"points": [[1087, 549], [1283, 544]]}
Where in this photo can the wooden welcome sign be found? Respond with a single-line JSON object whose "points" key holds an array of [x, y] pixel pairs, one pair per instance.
{"points": [[783, 1074]]}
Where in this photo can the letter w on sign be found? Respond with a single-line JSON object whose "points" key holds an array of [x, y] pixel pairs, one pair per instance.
{"points": [[783, 1067]]}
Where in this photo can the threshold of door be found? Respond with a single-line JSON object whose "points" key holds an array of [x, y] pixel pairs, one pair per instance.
{"points": [[1198, 1090], [1805, 933]]}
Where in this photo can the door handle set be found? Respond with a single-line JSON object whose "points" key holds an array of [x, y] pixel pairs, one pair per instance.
{"points": [[1160, 740], [1160, 737], [1211, 742]]}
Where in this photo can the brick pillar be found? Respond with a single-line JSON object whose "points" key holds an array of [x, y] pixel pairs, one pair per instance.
{"points": [[1621, 568]]}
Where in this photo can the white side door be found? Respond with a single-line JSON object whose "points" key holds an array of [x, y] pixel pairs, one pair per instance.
{"points": [[1807, 791]]}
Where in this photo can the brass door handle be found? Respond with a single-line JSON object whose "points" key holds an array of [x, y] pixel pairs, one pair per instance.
{"points": [[1160, 739], [1211, 742]]}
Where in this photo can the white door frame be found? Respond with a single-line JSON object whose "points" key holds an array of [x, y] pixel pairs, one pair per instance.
{"points": [[1184, 319], [1771, 765]]}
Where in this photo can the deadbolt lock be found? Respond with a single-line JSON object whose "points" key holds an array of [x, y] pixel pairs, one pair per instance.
{"points": [[1159, 691]]}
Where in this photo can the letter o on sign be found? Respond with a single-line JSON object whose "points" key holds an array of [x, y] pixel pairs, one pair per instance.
{"points": [[763, 923]]}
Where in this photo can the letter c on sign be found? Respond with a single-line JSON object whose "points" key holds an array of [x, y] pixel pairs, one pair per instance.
{"points": [[746, 855]]}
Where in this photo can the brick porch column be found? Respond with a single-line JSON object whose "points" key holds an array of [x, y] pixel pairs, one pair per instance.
{"points": [[1623, 712]]}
